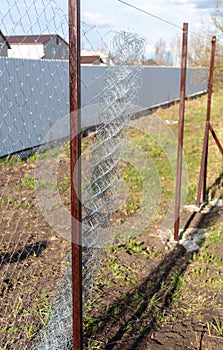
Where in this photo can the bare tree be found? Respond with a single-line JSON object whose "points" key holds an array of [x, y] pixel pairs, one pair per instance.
{"points": [[199, 50], [217, 15], [162, 55], [176, 50]]}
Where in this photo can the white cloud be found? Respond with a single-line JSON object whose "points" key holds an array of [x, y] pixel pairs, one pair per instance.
{"points": [[96, 18], [179, 2]]}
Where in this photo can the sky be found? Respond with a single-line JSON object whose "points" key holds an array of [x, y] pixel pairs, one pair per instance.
{"points": [[100, 17], [119, 16]]}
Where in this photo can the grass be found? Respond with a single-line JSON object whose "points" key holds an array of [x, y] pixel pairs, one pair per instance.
{"points": [[28, 181], [205, 269], [191, 289], [195, 115], [36, 315], [215, 327], [38, 154]]}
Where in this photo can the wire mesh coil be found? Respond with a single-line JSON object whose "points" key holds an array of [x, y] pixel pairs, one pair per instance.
{"points": [[98, 195]]}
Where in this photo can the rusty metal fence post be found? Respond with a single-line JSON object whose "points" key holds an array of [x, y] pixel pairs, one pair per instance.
{"points": [[181, 130], [75, 169], [204, 160]]}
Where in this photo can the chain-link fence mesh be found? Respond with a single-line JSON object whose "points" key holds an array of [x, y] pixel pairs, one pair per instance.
{"points": [[36, 306], [35, 96], [99, 180], [34, 78]]}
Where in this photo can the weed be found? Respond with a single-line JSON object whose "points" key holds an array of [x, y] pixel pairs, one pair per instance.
{"points": [[42, 308], [135, 246], [12, 330], [67, 149], [162, 317], [139, 296], [215, 326], [214, 237], [125, 274], [134, 182], [96, 345], [31, 330], [133, 177], [130, 324], [154, 253], [178, 281], [5, 201], [11, 160], [154, 301], [28, 181], [208, 258], [199, 271], [50, 153], [200, 316], [188, 309], [144, 329], [17, 308], [64, 185], [90, 324]]}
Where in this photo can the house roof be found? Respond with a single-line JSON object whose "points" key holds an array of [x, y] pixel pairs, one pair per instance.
{"points": [[7, 42], [91, 59], [32, 39], [102, 54]]}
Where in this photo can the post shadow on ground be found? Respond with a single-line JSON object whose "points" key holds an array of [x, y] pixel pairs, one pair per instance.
{"points": [[161, 284], [139, 305], [213, 188]]}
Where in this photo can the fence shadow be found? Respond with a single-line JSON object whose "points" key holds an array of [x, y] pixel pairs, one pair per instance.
{"points": [[158, 289], [131, 318], [24, 253], [215, 187]]}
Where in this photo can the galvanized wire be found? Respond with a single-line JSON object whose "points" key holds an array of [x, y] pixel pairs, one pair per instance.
{"points": [[30, 90], [98, 195], [121, 90]]}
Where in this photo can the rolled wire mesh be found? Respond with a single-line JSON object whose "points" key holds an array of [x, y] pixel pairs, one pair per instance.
{"points": [[120, 92], [98, 195]]}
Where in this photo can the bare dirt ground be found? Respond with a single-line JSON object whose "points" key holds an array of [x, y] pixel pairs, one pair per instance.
{"points": [[145, 297], [32, 258], [169, 299]]}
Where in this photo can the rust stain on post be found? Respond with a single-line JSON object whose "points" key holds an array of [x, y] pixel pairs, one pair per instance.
{"points": [[180, 130], [75, 169]]}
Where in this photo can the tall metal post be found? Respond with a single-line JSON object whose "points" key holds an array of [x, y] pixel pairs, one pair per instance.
{"points": [[181, 130], [75, 169], [204, 160]]}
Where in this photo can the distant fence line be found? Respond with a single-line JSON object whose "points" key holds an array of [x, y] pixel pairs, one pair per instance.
{"points": [[35, 96]]}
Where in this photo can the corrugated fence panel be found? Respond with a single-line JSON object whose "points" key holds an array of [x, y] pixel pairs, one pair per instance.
{"points": [[35, 96]]}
